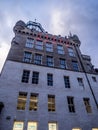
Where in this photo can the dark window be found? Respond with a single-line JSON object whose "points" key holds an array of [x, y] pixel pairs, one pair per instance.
{"points": [[25, 76], [35, 77], [51, 103], [33, 102], [22, 101], [70, 101], [87, 105], [62, 63], [60, 49], [94, 79], [39, 45], [80, 81], [75, 65], [27, 57], [50, 79], [71, 52], [30, 43], [67, 82], [49, 61], [38, 59], [49, 47]]}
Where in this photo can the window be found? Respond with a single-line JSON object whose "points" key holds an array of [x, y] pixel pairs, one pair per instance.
{"points": [[49, 61], [60, 49], [49, 47], [25, 76], [80, 81], [21, 101], [39, 45], [94, 79], [67, 82], [32, 126], [87, 105], [18, 125], [30, 43], [76, 129], [52, 126], [35, 77], [33, 102], [38, 59], [50, 79], [27, 57], [71, 52], [70, 101], [75, 65], [94, 128], [62, 63], [51, 103]]}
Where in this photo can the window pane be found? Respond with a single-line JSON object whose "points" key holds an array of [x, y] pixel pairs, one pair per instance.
{"points": [[38, 59], [87, 105], [75, 66], [67, 82], [39, 45], [60, 49], [71, 52], [29, 43], [49, 61], [76, 129], [25, 76], [27, 57], [32, 126], [71, 107], [18, 125], [80, 81], [35, 77], [49, 79], [62, 63], [51, 103], [94, 128], [49, 47], [52, 126]]}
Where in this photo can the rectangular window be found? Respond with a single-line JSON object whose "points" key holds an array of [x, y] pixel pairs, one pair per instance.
{"points": [[49, 47], [33, 102], [21, 101], [60, 49], [29, 43], [76, 129], [94, 128], [94, 79], [50, 79], [35, 77], [80, 81], [39, 45], [62, 63], [32, 126], [38, 59], [70, 101], [27, 57], [71, 52], [51, 103], [52, 126], [75, 65], [49, 61], [87, 105], [18, 125], [67, 82], [25, 76]]}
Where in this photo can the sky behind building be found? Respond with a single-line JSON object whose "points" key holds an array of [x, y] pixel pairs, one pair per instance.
{"points": [[57, 17]]}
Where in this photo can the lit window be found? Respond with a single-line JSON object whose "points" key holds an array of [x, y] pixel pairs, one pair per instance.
{"points": [[62, 63], [25, 76], [75, 65], [29, 43], [94, 128], [49, 61], [38, 59], [21, 101], [71, 52], [49, 47], [51, 103], [32, 126], [80, 81], [27, 57], [71, 107], [35, 77], [18, 125], [52, 126], [87, 105], [39, 45], [33, 102], [60, 49], [67, 82], [76, 129], [94, 79], [50, 79]]}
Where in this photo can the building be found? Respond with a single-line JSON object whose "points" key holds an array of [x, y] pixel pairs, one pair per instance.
{"points": [[47, 83]]}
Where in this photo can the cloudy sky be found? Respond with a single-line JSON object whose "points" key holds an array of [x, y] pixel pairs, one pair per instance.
{"points": [[57, 17]]}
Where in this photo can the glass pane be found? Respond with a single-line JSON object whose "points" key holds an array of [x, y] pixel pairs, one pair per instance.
{"points": [[32, 126], [18, 125], [52, 126]]}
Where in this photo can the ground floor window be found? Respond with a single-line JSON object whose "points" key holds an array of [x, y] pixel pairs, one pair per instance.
{"points": [[52, 126], [32, 126], [94, 128], [76, 129], [18, 125]]}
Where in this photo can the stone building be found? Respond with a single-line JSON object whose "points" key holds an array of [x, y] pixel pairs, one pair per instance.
{"points": [[47, 83]]}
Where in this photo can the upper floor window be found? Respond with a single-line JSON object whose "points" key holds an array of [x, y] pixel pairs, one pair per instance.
{"points": [[27, 57], [62, 63], [39, 45], [29, 43], [49, 47], [75, 65], [87, 105], [35, 77], [71, 52], [38, 59], [80, 81], [25, 76], [52, 126], [67, 82], [60, 49], [94, 79], [50, 79], [70, 101], [49, 61], [51, 103]]}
